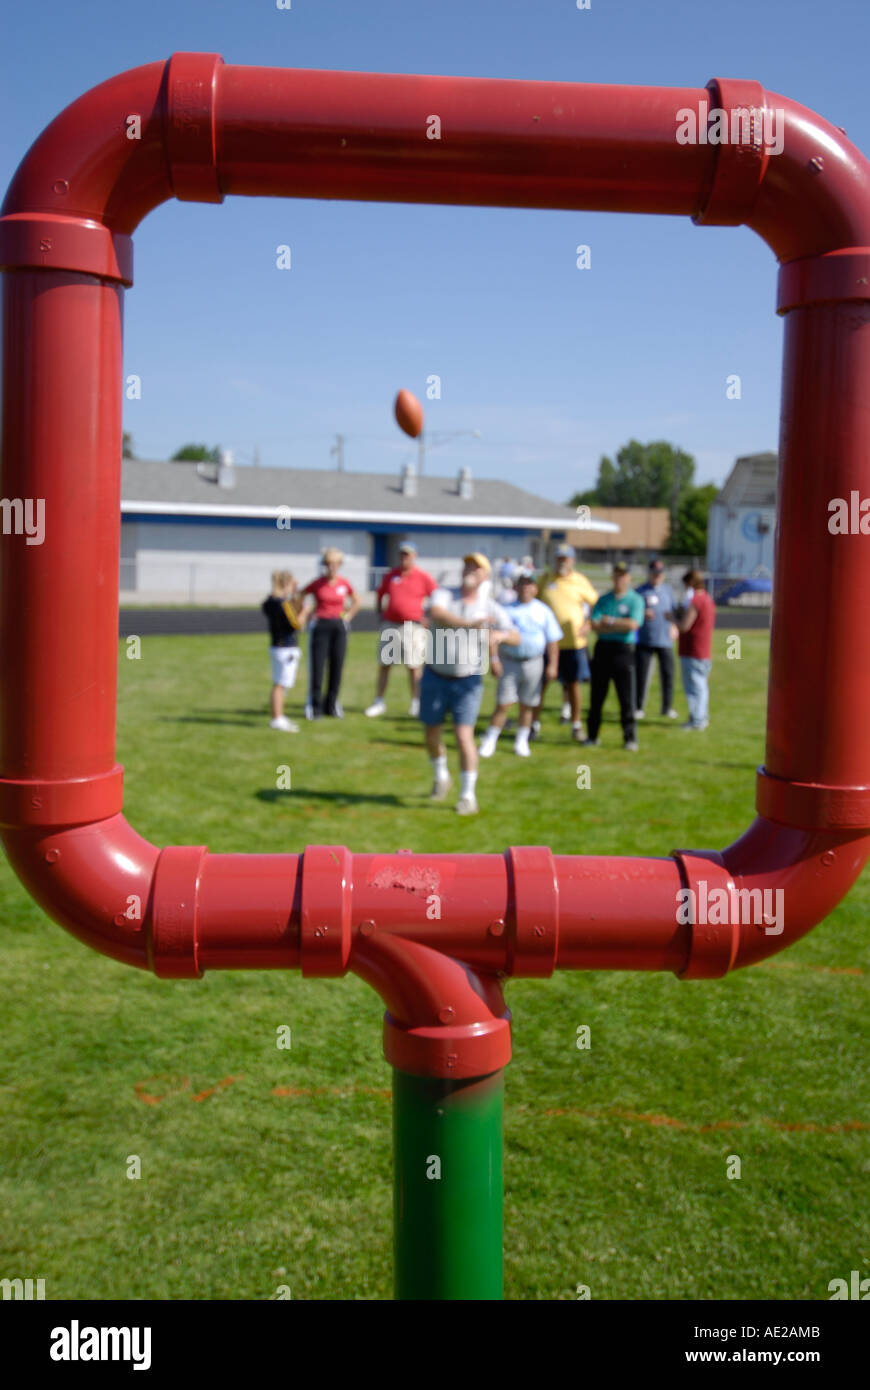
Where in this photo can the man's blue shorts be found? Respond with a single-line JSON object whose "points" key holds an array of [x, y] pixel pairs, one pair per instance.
{"points": [[573, 665], [439, 697]]}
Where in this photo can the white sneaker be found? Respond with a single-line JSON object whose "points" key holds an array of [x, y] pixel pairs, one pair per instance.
{"points": [[671, 714], [467, 806], [285, 725], [639, 714], [440, 788], [535, 731], [413, 708], [565, 716], [522, 750], [486, 747], [375, 708]]}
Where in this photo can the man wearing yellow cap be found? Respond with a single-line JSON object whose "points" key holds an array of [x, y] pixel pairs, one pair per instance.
{"points": [[466, 628]]}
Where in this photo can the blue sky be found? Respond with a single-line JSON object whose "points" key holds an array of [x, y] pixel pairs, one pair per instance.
{"points": [[552, 365]]}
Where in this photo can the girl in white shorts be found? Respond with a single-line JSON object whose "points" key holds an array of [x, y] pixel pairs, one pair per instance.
{"points": [[281, 609]]}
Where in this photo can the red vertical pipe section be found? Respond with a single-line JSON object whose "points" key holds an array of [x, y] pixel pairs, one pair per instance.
{"points": [[817, 768], [818, 715], [61, 432]]}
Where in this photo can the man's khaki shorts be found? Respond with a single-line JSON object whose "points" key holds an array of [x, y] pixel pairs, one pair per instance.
{"points": [[403, 644]]}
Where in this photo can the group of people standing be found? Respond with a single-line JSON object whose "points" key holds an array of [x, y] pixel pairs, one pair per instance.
{"points": [[328, 605], [637, 627], [448, 638]]}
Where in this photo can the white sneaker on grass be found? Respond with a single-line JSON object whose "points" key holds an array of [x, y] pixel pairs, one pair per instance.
{"points": [[565, 716], [522, 749], [285, 725], [487, 746], [639, 714], [535, 729], [467, 806], [671, 714], [440, 787], [375, 708]]}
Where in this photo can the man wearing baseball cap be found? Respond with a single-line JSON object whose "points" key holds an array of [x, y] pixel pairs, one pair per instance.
{"points": [[655, 639], [571, 596], [616, 618], [467, 626], [399, 599]]}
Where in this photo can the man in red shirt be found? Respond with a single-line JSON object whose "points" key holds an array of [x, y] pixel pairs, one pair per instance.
{"points": [[696, 648], [330, 605], [400, 601]]}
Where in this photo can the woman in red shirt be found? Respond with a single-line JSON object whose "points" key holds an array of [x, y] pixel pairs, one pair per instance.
{"points": [[330, 607], [696, 648]]}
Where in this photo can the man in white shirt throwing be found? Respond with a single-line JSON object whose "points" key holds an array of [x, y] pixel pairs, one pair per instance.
{"points": [[466, 629]]}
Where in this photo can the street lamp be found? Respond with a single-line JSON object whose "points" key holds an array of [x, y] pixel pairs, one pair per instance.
{"points": [[435, 439]]}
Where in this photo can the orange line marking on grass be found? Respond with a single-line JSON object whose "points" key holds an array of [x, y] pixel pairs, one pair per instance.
{"points": [[218, 1086], [300, 1092], [174, 1088], [797, 1126], [822, 969], [177, 1086]]}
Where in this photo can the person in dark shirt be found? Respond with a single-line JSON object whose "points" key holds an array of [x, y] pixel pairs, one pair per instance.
{"points": [[616, 618], [281, 610]]}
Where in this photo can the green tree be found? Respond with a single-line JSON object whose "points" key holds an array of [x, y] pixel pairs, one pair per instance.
{"points": [[689, 535], [644, 475], [197, 453]]}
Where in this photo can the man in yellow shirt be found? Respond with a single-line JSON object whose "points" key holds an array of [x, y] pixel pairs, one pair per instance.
{"points": [[572, 598]]}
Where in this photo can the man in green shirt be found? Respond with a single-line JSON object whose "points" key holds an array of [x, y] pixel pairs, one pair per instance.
{"points": [[616, 618]]}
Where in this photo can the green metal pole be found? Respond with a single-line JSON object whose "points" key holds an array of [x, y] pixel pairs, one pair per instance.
{"points": [[448, 1192]]}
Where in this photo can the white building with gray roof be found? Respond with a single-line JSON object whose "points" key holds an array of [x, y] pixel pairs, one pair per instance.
{"points": [[742, 520], [213, 533]]}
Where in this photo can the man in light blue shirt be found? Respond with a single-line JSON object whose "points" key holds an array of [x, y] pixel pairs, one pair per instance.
{"points": [[655, 639], [523, 665]]}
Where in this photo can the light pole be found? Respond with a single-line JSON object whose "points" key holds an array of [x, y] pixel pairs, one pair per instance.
{"points": [[435, 439]]}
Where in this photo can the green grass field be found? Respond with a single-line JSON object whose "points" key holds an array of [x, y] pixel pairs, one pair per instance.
{"points": [[263, 1167]]}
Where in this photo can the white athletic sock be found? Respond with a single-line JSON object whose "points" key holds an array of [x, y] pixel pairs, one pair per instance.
{"points": [[439, 767], [492, 733], [522, 735], [467, 783]]}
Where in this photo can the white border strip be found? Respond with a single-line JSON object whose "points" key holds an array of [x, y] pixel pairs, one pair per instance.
{"points": [[521, 523]]}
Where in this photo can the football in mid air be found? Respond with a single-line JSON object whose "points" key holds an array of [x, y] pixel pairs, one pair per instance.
{"points": [[409, 413]]}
